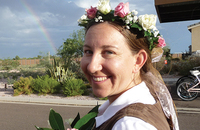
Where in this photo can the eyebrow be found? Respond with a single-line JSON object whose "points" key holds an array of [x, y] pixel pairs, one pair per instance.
{"points": [[104, 46]]}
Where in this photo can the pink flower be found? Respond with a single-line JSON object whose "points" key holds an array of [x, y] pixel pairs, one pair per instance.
{"points": [[91, 13], [122, 10], [161, 42]]}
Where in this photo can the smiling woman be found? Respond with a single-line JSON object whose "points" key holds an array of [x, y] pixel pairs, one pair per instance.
{"points": [[108, 63], [117, 62]]}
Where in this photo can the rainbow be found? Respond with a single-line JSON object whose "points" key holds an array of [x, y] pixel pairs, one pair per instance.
{"points": [[40, 25]]}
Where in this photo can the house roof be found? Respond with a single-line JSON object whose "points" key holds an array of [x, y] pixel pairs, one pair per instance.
{"points": [[193, 26], [177, 10]]}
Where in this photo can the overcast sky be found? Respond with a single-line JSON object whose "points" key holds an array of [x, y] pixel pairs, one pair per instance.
{"points": [[28, 27]]}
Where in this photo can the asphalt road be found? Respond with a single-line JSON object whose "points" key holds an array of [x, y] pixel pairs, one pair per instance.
{"points": [[25, 116]]}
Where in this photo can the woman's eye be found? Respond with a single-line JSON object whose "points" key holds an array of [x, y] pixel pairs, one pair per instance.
{"points": [[109, 52], [88, 52]]}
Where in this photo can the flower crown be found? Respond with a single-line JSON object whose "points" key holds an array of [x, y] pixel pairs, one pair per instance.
{"points": [[145, 23]]}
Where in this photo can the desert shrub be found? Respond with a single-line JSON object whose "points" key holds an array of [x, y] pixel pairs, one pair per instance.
{"points": [[1, 76], [9, 64], [73, 87], [10, 81], [23, 86], [186, 65], [15, 77], [181, 67], [5, 75], [176, 59], [46, 85], [31, 72]]}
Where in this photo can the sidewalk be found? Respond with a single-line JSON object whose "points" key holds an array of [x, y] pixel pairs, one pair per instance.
{"points": [[73, 102], [7, 96]]}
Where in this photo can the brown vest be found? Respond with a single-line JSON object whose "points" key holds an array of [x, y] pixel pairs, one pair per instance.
{"points": [[151, 114]]}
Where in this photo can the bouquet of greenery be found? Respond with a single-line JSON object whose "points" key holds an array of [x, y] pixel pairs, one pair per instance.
{"points": [[85, 123]]}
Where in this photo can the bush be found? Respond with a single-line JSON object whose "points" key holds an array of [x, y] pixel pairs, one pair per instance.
{"points": [[31, 72], [9, 64], [46, 85], [23, 86], [1, 76], [181, 67], [10, 81], [73, 87]]}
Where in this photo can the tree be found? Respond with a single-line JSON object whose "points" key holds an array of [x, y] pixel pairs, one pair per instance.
{"points": [[16, 58], [39, 57], [167, 53], [71, 49]]}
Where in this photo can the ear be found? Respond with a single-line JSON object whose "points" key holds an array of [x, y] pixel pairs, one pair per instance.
{"points": [[141, 58]]}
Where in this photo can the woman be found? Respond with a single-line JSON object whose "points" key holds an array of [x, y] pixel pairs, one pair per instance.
{"points": [[117, 62]]}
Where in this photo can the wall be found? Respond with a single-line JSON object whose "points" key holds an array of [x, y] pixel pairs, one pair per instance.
{"points": [[195, 38]]}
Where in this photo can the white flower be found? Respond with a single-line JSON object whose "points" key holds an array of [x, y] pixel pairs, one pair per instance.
{"points": [[134, 12], [96, 19], [104, 6], [127, 21], [127, 27], [100, 17], [147, 21], [129, 17], [135, 18], [155, 32], [83, 19]]}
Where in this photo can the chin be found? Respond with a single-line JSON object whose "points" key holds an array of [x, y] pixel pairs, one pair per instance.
{"points": [[99, 95]]}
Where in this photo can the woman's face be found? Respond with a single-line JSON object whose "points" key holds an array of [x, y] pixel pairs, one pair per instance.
{"points": [[107, 62]]}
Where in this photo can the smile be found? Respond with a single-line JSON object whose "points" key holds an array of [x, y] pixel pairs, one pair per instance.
{"points": [[99, 79]]}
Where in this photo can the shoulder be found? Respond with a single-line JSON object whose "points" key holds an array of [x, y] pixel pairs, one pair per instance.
{"points": [[132, 123]]}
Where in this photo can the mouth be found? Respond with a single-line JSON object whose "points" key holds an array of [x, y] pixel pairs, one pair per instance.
{"points": [[99, 79]]}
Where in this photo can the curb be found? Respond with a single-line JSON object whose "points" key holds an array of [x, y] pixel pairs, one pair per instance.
{"points": [[52, 101], [170, 81], [188, 110]]}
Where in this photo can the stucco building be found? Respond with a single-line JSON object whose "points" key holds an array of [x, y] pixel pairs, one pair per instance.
{"points": [[195, 32]]}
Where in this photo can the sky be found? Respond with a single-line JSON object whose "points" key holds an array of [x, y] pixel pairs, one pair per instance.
{"points": [[29, 28]]}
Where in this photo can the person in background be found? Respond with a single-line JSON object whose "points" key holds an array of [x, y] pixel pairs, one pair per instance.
{"points": [[119, 50]]}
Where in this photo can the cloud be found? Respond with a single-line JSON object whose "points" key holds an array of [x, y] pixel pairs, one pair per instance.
{"points": [[86, 3], [30, 26]]}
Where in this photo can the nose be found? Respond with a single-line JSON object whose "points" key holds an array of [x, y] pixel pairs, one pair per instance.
{"points": [[95, 64]]}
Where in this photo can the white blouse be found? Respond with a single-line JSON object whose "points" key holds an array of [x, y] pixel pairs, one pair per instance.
{"points": [[138, 94]]}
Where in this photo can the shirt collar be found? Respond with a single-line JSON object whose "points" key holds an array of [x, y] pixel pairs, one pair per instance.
{"points": [[138, 93]]}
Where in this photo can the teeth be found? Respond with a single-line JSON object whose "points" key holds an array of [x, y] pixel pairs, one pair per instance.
{"points": [[100, 79]]}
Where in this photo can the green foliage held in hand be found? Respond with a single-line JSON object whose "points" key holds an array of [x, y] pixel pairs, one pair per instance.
{"points": [[23, 86], [85, 123], [73, 87], [45, 85]]}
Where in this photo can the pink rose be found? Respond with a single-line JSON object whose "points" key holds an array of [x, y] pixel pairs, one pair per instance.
{"points": [[91, 13], [71, 129], [122, 10], [161, 42]]}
